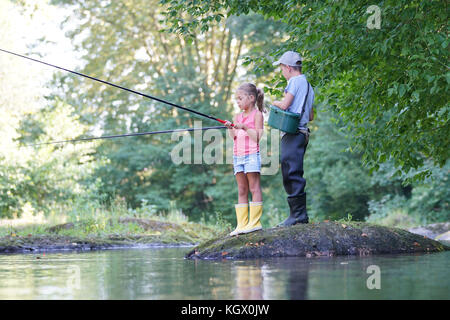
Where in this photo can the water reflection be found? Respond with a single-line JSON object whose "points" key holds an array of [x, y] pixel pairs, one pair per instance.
{"points": [[249, 282], [164, 274], [297, 284], [272, 279]]}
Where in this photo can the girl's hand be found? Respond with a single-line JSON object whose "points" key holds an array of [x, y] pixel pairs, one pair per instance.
{"points": [[240, 126], [228, 124]]}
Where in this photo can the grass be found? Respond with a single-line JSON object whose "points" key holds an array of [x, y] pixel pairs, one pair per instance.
{"points": [[395, 218], [95, 221]]}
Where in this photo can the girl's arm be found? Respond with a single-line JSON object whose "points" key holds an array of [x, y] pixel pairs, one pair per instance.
{"points": [[231, 131], [255, 134]]}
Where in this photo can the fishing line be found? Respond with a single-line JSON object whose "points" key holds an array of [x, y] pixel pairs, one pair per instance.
{"points": [[124, 135], [117, 86]]}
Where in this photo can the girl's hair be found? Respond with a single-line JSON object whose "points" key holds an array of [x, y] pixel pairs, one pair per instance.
{"points": [[252, 90]]}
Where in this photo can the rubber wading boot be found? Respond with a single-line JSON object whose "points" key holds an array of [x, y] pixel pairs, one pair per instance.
{"points": [[297, 206], [242, 218], [255, 214]]}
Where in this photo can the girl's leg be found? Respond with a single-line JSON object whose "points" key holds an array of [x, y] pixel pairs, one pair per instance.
{"points": [[243, 188], [256, 206], [254, 182], [242, 206]]}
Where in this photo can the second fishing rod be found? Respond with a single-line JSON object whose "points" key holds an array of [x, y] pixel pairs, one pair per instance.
{"points": [[120, 87]]}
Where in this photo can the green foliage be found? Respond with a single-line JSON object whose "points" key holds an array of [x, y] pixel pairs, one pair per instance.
{"points": [[388, 85], [422, 202], [198, 73], [339, 185], [380, 96], [45, 175], [430, 199], [393, 211], [36, 179]]}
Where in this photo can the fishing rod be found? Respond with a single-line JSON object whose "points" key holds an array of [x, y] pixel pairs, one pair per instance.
{"points": [[125, 135], [120, 87]]}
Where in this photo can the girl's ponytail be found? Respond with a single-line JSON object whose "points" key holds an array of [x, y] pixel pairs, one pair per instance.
{"points": [[260, 99]]}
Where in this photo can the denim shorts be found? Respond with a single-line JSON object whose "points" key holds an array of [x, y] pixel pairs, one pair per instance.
{"points": [[247, 163]]}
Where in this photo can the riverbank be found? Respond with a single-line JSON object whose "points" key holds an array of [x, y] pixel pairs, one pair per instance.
{"points": [[314, 239], [123, 232]]}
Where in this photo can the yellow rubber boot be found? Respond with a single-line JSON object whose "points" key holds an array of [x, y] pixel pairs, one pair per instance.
{"points": [[242, 218], [255, 214]]}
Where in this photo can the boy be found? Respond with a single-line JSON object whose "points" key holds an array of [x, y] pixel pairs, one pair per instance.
{"points": [[298, 98]]}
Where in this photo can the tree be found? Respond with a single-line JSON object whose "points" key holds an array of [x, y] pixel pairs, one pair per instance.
{"points": [[388, 85], [124, 43], [34, 179]]}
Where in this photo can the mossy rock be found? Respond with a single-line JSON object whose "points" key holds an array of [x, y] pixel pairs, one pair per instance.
{"points": [[316, 239]]}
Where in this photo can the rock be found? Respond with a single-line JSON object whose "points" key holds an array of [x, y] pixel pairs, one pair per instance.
{"points": [[443, 236], [316, 239], [432, 230]]}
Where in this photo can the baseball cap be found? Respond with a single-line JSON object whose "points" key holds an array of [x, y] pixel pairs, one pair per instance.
{"points": [[290, 58]]}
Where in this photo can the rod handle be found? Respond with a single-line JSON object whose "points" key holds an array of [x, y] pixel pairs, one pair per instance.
{"points": [[224, 121]]}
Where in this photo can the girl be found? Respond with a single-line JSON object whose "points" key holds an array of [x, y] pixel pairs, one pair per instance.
{"points": [[246, 132]]}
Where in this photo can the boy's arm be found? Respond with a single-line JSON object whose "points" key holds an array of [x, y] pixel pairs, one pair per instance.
{"points": [[286, 102]]}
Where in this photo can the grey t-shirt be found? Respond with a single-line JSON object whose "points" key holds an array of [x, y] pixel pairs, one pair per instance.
{"points": [[297, 86]]}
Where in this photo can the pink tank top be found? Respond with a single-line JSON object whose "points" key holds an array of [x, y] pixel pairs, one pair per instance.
{"points": [[243, 144]]}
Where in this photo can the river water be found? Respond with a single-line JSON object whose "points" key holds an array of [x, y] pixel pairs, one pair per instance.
{"points": [[163, 273]]}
